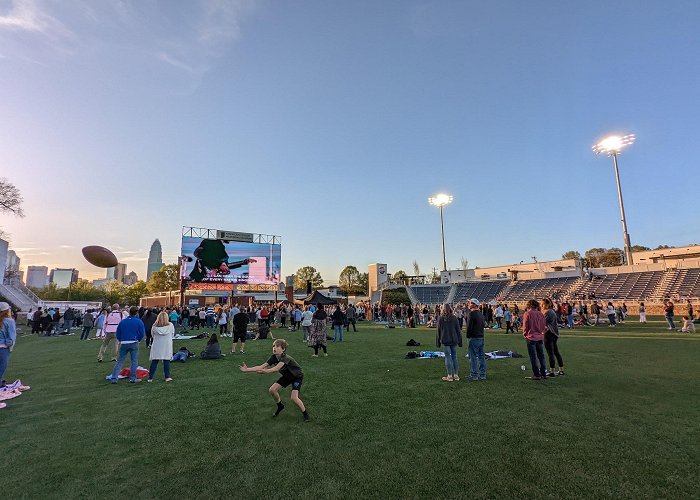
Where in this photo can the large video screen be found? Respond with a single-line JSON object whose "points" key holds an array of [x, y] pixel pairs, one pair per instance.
{"points": [[230, 262]]}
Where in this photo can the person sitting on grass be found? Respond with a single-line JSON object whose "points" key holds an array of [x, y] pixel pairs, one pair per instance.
{"points": [[688, 326], [213, 349], [290, 372]]}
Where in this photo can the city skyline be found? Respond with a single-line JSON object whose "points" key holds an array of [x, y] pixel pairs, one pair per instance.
{"points": [[331, 124]]}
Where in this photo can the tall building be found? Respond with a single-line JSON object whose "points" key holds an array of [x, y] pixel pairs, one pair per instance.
{"points": [[131, 278], [37, 276], [117, 273], [12, 261], [63, 277], [155, 259]]}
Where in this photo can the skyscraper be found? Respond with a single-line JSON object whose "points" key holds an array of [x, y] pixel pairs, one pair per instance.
{"points": [[155, 259], [37, 276]]}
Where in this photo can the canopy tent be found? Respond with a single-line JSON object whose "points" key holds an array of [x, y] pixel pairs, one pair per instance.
{"points": [[318, 299]]}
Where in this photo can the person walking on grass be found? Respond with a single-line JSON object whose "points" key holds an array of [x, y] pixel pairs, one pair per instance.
{"points": [[534, 326], [109, 329], [475, 334], [291, 374], [610, 312], [317, 334], [338, 324], [668, 314], [642, 313], [129, 333], [162, 345], [88, 320], [449, 337], [551, 337]]}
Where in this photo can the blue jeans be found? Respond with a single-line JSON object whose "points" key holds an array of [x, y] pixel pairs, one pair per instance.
{"points": [[338, 333], [476, 352], [451, 362], [536, 352], [124, 349], [4, 360], [570, 320], [179, 356], [154, 365], [671, 324], [67, 325], [210, 321], [86, 333]]}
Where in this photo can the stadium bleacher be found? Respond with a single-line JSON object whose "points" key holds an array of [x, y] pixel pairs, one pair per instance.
{"points": [[431, 294], [631, 286], [682, 283], [484, 291], [538, 288]]}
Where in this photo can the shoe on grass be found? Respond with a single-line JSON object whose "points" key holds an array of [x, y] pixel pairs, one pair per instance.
{"points": [[533, 378]]}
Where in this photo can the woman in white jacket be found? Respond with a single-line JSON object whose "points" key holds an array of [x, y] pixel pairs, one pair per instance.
{"points": [[162, 347]]}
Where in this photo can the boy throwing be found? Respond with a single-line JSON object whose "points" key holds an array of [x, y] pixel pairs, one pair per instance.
{"points": [[290, 372]]}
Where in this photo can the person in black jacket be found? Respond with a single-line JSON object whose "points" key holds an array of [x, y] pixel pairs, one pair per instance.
{"points": [[338, 324], [449, 336], [240, 329], [475, 334], [149, 318]]}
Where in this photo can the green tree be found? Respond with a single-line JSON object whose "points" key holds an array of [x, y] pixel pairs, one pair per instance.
{"points": [[167, 278], [604, 257], [640, 248], [307, 273], [398, 275], [115, 293], [662, 247], [85, 290], [134, 292], [571, 254], [349, 279], [363, 284]]}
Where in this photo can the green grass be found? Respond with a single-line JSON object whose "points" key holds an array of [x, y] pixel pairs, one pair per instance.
{"points": [[622, 423]]}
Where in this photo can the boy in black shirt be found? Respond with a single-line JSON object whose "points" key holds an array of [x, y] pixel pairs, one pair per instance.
{"points": [[290, 372]]}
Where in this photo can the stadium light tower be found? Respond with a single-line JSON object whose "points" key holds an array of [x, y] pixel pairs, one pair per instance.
{"points": [[612, 146], [440, 200]]}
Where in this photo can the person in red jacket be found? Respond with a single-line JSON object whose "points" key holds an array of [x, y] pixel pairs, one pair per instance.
{"points": [[534, 327]]}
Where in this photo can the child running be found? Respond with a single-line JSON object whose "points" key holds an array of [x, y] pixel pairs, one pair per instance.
{"points": [[291, 374]]}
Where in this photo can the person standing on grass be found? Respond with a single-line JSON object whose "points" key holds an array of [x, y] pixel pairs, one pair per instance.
{"points": [[475, 334], [508, 317], [240, 329], [88, 320], [149, 318], [351, 315], [296, 318], [317, 334], [162, 346], [534, 326], [222, 319], [291, 374], [8, 336], [551, 337], [306, 321], [110, 331], [691, 313], [129, 333], [610, 311], [668, 314], [642, 313], [338, 324], [449, 336]]}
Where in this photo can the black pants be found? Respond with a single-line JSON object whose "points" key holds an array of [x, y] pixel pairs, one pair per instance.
{"points": [[509, 327], [283, 321], [316, 346], [222, 329], [498, 321], [351, 321], [550, 343]]}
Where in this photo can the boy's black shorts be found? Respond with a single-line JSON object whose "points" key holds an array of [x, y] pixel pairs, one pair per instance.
{"points": [[239, 336], [296, 382]]}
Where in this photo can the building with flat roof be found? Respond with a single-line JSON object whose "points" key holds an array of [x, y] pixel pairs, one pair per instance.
{"points": [[37, 276], [63, 277]]}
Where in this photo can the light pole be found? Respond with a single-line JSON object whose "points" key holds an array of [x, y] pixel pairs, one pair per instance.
{"points": [[440, 200], [612, 146]]}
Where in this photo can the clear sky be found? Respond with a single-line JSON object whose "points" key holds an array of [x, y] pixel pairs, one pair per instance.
{"points": [[330, 123]]}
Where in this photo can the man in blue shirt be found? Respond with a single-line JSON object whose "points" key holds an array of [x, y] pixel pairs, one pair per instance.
{"points": [[130, 332]]}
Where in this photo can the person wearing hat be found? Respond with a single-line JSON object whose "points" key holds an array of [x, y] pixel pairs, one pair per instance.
{"points": [[8, 336], [475, 334]]}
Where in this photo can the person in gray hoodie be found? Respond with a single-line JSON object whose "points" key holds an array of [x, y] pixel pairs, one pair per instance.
{"points": [[449, 336]]}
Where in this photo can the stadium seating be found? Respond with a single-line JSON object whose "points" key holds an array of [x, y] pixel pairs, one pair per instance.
{"points": [[631, 286], [431, 294], [482, 290], [682, 283], [538, 288]]}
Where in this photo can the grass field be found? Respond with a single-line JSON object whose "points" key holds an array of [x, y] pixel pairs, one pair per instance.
{"points": [[623, 422]]}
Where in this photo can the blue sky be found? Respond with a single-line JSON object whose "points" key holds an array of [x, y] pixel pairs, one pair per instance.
{"points": [[330, 123]]}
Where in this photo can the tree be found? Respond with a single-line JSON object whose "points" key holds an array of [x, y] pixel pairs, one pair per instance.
{"points": [[349, 279], [115, 293], [399, 276], [307, 273], [640, 248], [464, 264], [662, 247], [363, 284], [604, 257], [167, 278], [134, 292], [571, 254], [10, 198]]}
